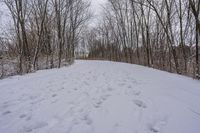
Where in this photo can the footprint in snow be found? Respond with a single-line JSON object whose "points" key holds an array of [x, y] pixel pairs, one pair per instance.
{"points": [[22, 116], [7, 104], [140, 104], [87, 119], [62, 88], [54, 95], [28, 118], [157, 126], [97, 104], [105, 97], [35, 126], [136, 92], [6, 113]]}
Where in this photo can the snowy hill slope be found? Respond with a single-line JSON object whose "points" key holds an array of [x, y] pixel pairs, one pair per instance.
{"points": [[100, 97]]}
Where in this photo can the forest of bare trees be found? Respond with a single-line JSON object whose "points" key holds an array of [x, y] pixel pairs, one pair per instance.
{"points": [[44, 34], [163, 34]]}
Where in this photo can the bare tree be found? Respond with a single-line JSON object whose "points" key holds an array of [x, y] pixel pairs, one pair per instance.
{"points": [[195, 8]]}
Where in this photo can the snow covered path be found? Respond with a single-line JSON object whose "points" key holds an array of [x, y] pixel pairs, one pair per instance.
{"points": [[100, 97]]}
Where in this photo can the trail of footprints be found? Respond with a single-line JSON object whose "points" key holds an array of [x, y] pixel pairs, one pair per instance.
{"points": [[155, 127]]}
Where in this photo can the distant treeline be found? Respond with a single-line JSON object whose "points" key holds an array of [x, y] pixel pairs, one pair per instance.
{"points": [[162, 34]]}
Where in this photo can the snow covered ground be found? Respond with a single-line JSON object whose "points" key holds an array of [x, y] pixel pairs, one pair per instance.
{"points": [[100, 97]]}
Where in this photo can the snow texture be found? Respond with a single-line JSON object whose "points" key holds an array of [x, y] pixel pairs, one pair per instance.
{"points": [[100, 97]]}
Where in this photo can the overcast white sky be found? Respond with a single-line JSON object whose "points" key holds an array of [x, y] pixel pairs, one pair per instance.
{"points": [[4, 17], [96, 5], [96, 10]]}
